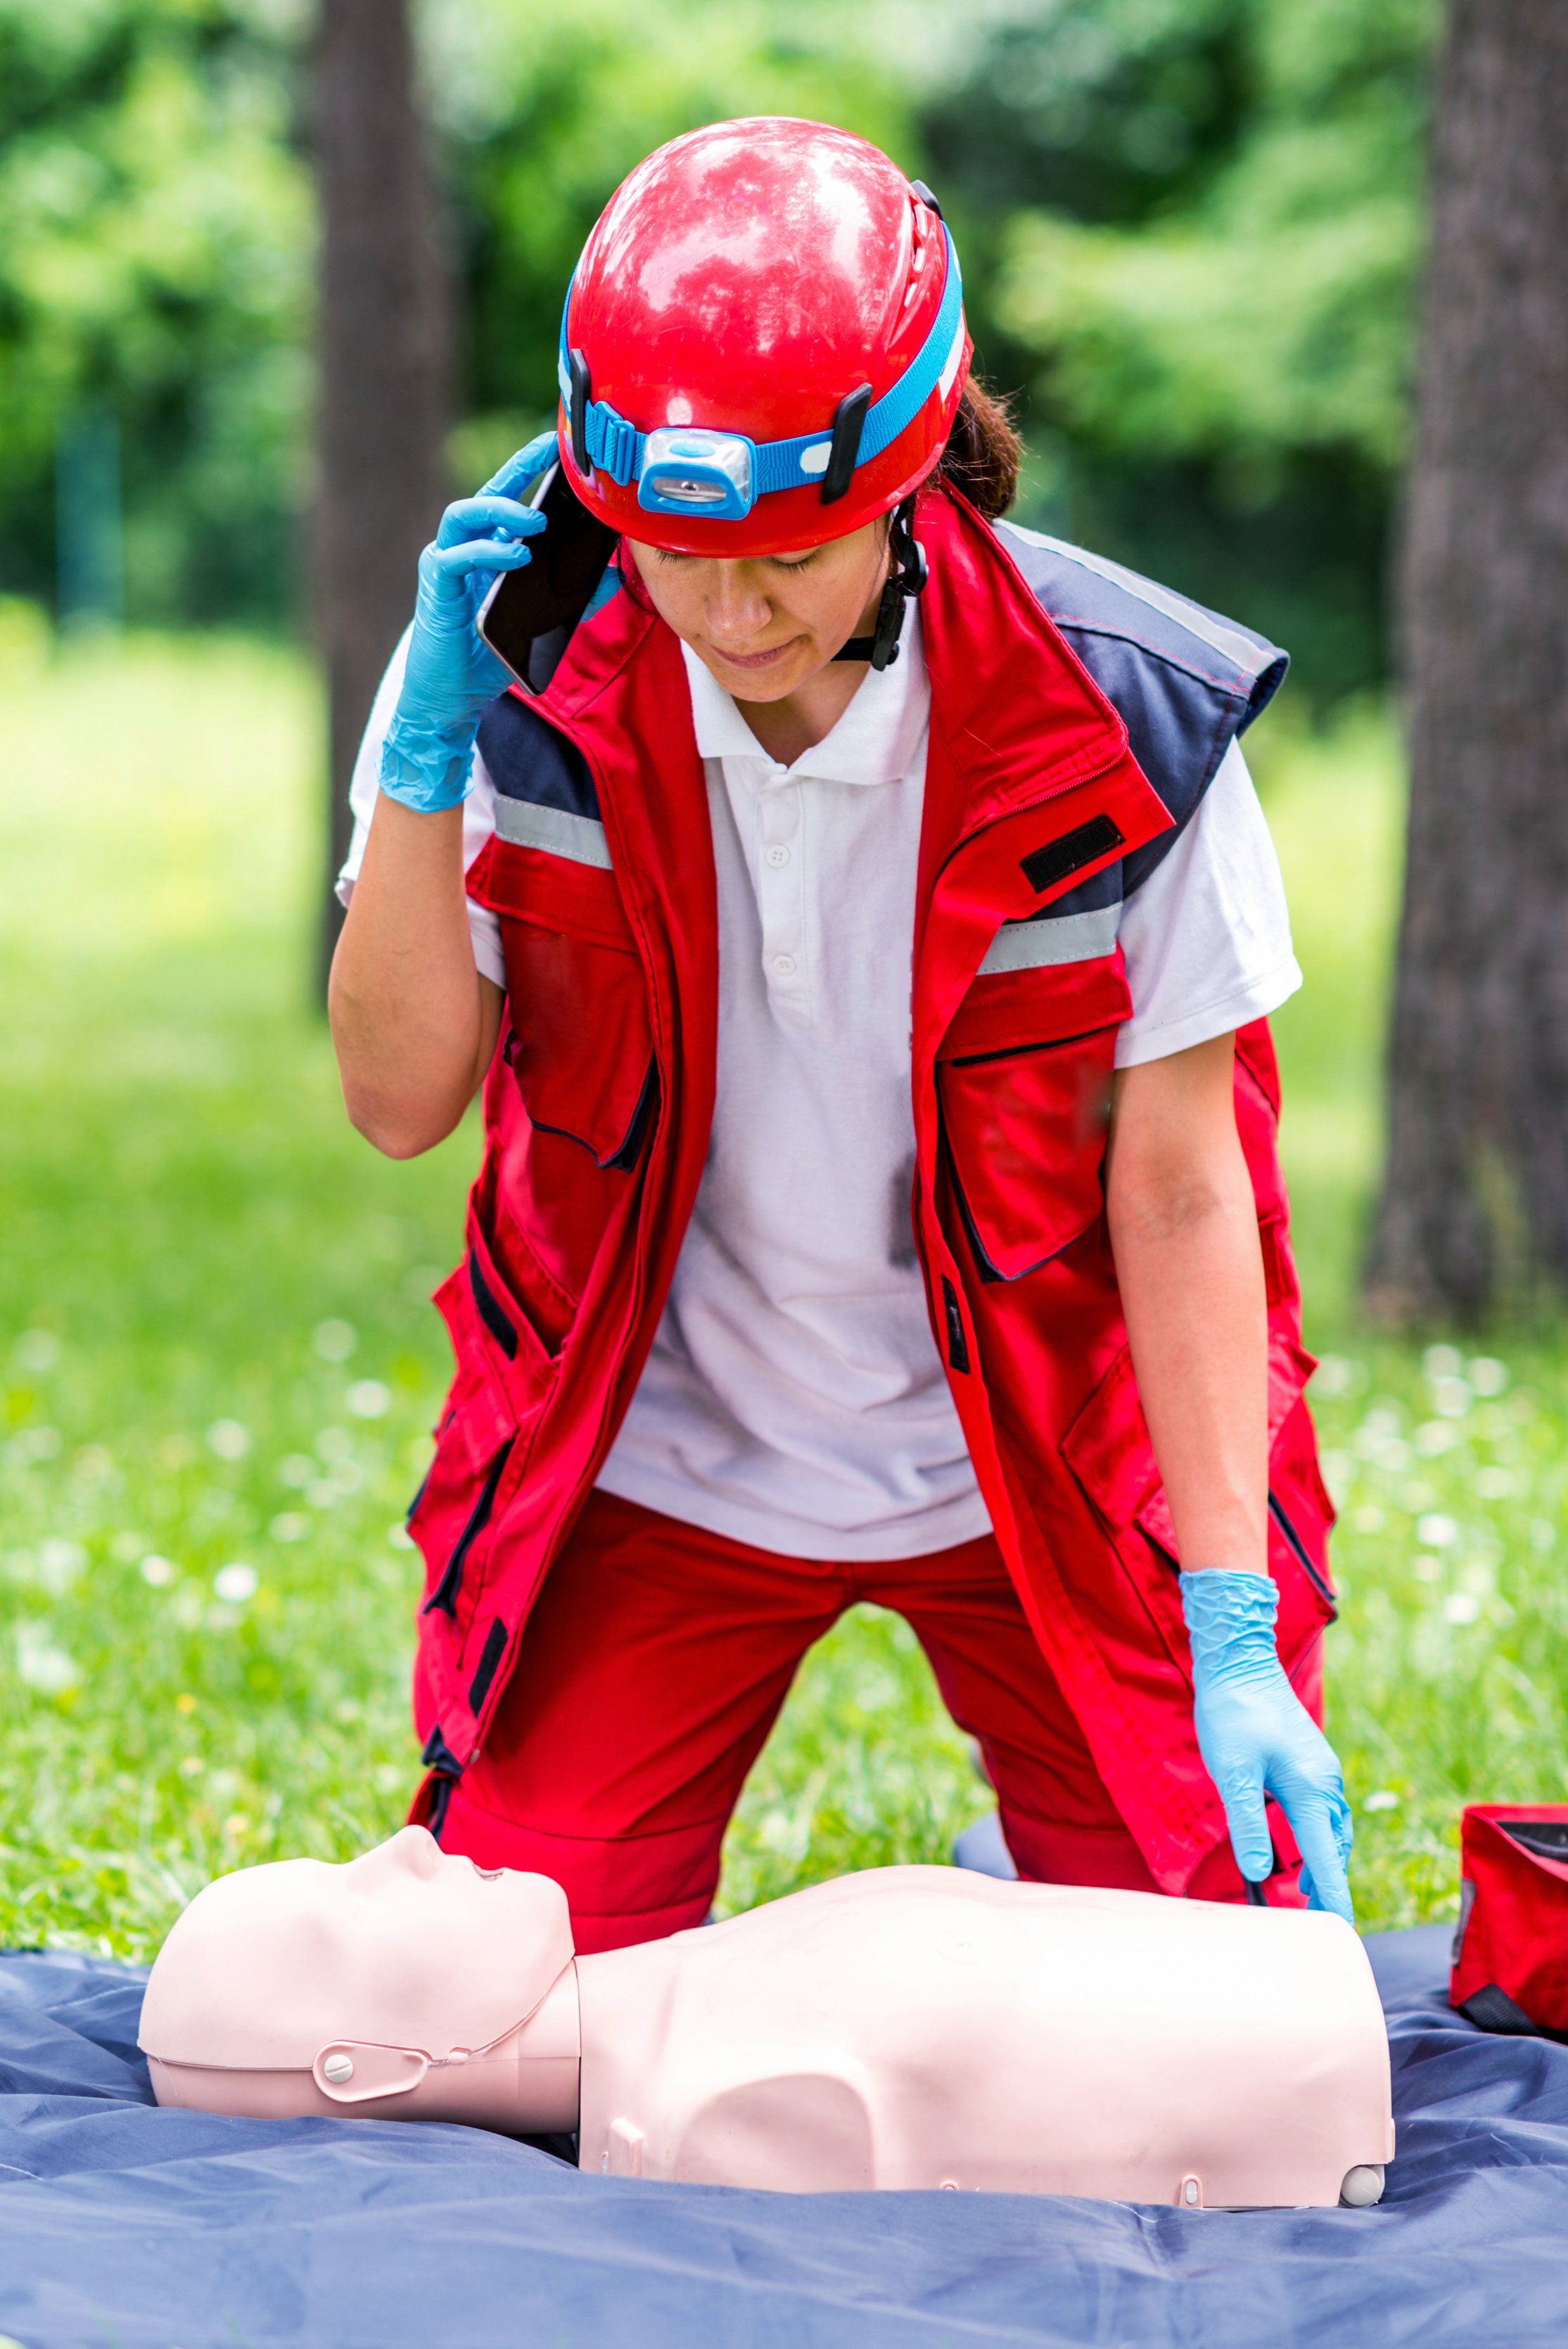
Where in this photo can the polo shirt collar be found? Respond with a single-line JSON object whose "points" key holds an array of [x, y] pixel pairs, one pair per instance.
{"points": [[875, 741]]}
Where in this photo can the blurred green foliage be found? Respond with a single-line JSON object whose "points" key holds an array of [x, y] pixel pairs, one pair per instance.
{"points": [[1189, 231], [154, 262], [1202, 220]]}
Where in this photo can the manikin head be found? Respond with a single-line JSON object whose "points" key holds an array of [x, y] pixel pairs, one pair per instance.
{"points": [[407, 1974]]}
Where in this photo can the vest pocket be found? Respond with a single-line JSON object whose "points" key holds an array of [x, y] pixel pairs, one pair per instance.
{"points": [[581, 1049], [504, 1375], [1026, 1129], [1023, 1085], [1111, 1453]]}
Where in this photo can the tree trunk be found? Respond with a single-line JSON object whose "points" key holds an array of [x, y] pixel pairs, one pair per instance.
{"points": [[1474, 1212], [384, 340]]}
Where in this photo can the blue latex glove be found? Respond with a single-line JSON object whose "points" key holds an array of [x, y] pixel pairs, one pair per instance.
{"points": [[1255, 1734], [427, 760]]}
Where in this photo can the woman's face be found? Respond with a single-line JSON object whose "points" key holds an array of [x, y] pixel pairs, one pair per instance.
{"points": [[763, 625]]}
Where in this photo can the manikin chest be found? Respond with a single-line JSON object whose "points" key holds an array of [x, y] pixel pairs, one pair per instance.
{"points": [[917, 2028]]}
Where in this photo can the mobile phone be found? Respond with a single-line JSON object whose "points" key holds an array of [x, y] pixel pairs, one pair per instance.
{"points": [[529, 614]]}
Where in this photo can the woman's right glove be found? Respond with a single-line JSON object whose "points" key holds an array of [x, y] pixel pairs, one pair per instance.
{"points": [[1256, 1737], [451, 676]]}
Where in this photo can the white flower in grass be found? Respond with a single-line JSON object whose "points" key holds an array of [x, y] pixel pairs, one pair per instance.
{"points": [[37, 1350], [1462, 1607], [159, 1571], [335, 1341], [235, 1584], [1435, 1437], [1451, 1398], [1338, 1473], [368, 1399], [291, 1527], [1368, 1520], [1428, 1569], [296, 1469], [228, 1439], [32, 1444], [1435, 1531], [1385, 1800], [1487, 1375], [1442, 1361], [41, 1664], [1494, 1483], [60, 1562]]}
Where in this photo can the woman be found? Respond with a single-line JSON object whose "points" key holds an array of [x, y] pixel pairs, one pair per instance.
{"points": [[878, 1200]]}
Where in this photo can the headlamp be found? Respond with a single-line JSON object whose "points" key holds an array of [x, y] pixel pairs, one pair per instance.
{"points": [[689, 471]]}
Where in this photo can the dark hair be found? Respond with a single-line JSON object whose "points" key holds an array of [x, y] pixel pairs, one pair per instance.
{"points": [[984, 451]]}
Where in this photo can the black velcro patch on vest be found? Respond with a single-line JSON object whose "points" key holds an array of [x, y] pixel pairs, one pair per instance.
{"points": [[489, 1306], [1044, 867], [438, 1756], [493, 1651], [957, 1344]]}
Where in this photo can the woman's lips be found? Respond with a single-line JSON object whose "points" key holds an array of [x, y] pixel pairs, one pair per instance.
{"points": [[755, 660]]}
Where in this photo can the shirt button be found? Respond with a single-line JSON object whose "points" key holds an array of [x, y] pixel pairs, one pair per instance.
{"points": [[777, 856], [784, 965]]}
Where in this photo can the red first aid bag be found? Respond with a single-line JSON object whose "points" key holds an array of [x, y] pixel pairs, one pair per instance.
{"points": [[1511, 1950]]}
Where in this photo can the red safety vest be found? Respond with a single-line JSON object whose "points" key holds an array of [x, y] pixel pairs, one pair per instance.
{"points": [[597, 1116]]}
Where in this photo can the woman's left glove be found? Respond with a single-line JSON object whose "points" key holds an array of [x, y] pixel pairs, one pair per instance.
{"points": [[451, 676], [1256, 1737]]}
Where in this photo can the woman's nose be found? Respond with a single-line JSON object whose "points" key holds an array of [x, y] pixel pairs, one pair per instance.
{"points": [[736, 610]]}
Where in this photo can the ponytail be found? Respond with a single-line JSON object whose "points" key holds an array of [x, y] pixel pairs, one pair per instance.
{"points": [[984, 451]]}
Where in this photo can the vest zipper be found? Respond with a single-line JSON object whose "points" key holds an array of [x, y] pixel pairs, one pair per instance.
{"points": [[1298, 1548], [445, 1595]]}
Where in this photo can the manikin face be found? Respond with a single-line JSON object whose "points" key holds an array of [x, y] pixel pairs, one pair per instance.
{"points": [[766, 625], [406, 1947]]}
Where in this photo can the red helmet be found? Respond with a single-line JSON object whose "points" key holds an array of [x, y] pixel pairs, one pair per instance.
{"points": [[764, 344]]}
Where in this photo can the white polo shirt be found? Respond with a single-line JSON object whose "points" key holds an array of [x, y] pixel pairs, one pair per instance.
{"points": [[794, 1397]]}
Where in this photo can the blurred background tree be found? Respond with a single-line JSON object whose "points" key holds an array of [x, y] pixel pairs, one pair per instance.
{"points": [[384, 402]]}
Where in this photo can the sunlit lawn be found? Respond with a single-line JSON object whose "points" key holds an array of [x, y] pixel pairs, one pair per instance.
{"points": [[217, 1366]]}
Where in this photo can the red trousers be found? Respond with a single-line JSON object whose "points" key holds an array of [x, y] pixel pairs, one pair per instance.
{"points": [[655, 1664]]}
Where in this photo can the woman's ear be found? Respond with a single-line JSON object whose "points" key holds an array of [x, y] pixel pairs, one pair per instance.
{"points": [[627, 565]]}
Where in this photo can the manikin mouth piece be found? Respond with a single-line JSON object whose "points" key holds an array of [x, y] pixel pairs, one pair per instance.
{"points": [[354, 2071]]}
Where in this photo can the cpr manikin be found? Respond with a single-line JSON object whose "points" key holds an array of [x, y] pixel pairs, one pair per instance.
{"points": [[908, 2027]]}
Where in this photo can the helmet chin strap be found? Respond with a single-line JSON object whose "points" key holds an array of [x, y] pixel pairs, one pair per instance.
{"points": [[906, 578]]}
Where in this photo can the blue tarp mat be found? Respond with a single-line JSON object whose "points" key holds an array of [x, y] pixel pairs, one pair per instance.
{"points": [[125, 2228]]}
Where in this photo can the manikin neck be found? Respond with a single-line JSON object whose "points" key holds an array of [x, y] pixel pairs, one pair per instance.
{"points": [[528, 2083]]}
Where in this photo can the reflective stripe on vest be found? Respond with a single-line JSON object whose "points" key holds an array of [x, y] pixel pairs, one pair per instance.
{"points": [[527, 826], [1071, 938]]}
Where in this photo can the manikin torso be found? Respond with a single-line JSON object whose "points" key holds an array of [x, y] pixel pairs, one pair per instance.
{"points": [[909, 2027]]}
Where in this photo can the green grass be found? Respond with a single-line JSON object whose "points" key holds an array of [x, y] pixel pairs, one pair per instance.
{"points": [[216, 1353]]}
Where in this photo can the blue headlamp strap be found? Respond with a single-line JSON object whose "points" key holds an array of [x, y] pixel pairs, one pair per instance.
{"points": [[618, 449]]}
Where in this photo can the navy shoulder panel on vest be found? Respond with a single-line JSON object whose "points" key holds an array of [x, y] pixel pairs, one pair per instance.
{"points": [[527, 760], [1185, 680]]}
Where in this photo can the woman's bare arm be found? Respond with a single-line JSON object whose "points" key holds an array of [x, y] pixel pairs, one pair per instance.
{"points": [[1183, 1228], [415, 1024]]}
